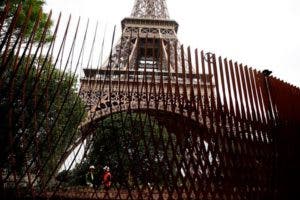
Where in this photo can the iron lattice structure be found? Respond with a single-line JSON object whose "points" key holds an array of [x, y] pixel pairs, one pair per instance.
{"points": [[148, 45], [150, 9], [149, 26], [170, 123]]}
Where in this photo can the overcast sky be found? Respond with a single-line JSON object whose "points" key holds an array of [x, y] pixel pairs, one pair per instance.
{"points": [[260, 33]]}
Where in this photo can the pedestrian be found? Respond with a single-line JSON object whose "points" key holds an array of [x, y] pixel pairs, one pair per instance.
{"points": [[106, 178], [90, 176]]}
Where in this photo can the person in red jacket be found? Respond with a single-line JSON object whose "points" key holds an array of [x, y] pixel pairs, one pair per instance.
{"points": [[106, 178]]}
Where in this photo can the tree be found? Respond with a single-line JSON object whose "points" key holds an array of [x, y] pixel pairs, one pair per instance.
{"points": [[39, 105], [36, 6], [135, 147], [40, 113]]}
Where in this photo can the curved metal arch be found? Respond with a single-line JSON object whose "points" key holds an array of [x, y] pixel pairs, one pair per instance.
{"points": [[173, 123]]}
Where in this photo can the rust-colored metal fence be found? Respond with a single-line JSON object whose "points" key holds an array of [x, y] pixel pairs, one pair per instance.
{"points": [[203, 127]]}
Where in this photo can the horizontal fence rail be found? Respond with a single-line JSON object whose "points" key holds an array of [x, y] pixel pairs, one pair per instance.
{"points": [[171, 123]]}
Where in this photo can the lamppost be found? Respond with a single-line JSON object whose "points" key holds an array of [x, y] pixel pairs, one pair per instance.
{"points": [[274, 126], [266, 74]]}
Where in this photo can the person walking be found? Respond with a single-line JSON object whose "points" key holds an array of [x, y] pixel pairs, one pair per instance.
{"points": [[106, 178], [90, 177]]}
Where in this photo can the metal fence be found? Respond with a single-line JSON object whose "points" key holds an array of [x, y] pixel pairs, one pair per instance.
{"points": [[202, 128]]}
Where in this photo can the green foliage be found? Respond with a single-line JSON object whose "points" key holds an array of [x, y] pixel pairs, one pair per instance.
{"points": [[36, 6], [43, 116], [135, 147]]}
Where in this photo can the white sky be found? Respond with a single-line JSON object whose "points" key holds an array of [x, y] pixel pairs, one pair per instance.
{"points": [[260, 33]]}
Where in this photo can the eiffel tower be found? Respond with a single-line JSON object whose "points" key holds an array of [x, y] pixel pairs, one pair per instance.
{"points": [[216, 129], [147, 52]]}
